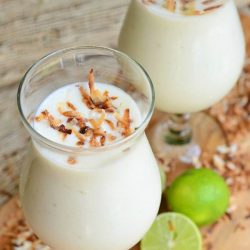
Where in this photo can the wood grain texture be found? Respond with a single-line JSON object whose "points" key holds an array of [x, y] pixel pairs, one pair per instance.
{"points": [[29, 29]]}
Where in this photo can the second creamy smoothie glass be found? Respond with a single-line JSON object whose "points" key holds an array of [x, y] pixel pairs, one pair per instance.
{"points": [[110, 197], [194, 52]]}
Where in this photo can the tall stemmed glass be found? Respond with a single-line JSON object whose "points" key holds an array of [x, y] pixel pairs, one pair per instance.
{"points": [[194, 52]]}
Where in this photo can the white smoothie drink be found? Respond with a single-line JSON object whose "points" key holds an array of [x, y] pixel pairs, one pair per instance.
{"points": [[193, 50], [104, 196]]}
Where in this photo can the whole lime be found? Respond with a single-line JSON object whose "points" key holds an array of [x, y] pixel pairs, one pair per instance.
{"points": [[200, 194]]}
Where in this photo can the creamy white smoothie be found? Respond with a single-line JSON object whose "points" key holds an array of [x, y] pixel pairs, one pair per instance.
{"points": [[193, 54], [104, 196]]}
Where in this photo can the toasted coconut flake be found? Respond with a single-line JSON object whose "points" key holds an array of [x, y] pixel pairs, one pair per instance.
{"points": [[54, 123], [96, 99], [111, 137], [44, 115], [71, 106], [171, 5], [78, 135], [114, 97], [99, 132], [71, 160], [64, 130], [73, 114], [124, 122], [91, 81], [110, 110], [212, 8], [86, 98], [207, 2], [93, 142], [70, 113], [80, 143], [70, 119], [110, 124], [102, 140], [97, 123], [63, 136], [81, 122], [83, 130]]}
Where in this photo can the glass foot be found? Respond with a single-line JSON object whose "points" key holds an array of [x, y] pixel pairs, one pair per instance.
{"points": [[206, 136]]}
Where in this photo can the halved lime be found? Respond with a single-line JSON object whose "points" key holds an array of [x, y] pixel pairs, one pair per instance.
{"points": [[172, 231]]}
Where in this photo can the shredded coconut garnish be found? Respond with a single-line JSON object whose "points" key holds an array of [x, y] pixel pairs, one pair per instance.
{"points": [[89, 130], [187, 7]]}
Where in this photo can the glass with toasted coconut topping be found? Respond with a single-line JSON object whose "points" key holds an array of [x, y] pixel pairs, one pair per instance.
{"points": [[91, 180], [194, 52]]}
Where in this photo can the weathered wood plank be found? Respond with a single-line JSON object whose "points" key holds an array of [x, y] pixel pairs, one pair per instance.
{"points": [[28, 30]]}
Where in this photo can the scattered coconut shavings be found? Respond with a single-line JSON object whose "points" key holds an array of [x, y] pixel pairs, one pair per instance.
{"points": [[239, 227], [233, 113], [18, 235]]}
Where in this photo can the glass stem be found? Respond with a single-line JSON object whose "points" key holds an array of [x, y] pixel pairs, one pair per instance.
{"points": [[179, 130]]}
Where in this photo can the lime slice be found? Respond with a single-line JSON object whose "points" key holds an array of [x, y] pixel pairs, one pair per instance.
{"points": [[172, 231]]}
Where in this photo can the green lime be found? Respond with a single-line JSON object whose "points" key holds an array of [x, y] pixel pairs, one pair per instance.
{"points": [[163, 178], [172, 231], [200, 194]]}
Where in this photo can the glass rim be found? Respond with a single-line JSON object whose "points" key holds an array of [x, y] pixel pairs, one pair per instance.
{"points": [[73, 149]]}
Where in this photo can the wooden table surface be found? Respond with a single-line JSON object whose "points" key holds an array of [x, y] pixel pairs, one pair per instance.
{"points": [[30, 29]]}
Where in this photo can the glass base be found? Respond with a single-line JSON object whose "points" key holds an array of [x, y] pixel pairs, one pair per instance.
{"points": [[206, 136]]}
